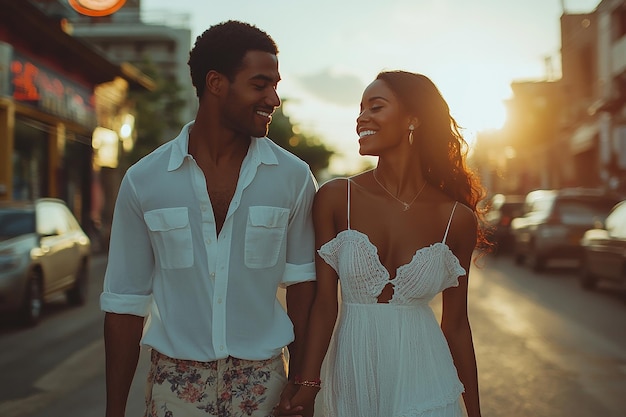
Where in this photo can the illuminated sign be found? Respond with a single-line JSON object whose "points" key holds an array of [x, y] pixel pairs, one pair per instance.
{"points": [[106, 144], [96, 7], [34, 85]]}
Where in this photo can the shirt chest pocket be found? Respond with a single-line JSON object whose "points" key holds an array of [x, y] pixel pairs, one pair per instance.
{"points": [[170, 233], [265, 235]]}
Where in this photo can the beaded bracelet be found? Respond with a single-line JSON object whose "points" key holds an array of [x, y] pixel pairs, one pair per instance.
{"points": [[315, 383]]}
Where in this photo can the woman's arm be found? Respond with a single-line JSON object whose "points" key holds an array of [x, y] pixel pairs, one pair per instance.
{"points": [[325, 305], [455, 322]]}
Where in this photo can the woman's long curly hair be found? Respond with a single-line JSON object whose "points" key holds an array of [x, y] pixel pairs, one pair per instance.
{"points": [[438, 141]]}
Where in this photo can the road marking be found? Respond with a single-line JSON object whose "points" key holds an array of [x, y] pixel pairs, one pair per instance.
{"points": [[69, 375], [597, 364]]}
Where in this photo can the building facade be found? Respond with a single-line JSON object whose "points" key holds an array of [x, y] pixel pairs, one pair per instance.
{"points": [[54, 96], [569, 132], [610, 106], [130, 35]]}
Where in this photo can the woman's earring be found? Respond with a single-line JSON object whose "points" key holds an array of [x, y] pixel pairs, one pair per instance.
{"points": [[411, 129]]}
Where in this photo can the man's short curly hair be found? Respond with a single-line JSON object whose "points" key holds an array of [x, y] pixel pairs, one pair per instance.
{"points": [[222, 47]]}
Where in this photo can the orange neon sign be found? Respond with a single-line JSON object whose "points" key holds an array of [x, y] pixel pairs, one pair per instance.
{"points": [[96, 7], [42, 88]]}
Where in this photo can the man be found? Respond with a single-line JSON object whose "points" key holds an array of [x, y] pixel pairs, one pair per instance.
{"points": [[206, 228]]}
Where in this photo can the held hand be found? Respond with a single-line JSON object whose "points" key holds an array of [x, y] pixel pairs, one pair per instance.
{"points": [[305, 399], [285, 408]]}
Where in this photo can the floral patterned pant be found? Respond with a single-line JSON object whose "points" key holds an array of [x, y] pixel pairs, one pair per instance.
{"points": [[226, 388]]}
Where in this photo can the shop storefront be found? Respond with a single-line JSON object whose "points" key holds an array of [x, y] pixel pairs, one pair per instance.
{"points": [[54, 96], [47, 127]]}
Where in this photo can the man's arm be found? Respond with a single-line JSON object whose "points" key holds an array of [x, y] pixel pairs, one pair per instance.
{"points": [[122, 334], [299, 299], [300, 278]]}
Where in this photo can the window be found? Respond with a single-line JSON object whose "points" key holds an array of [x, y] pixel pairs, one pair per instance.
{"points": [[618, 22], [583, 211], [51, 220], [16, 222]]}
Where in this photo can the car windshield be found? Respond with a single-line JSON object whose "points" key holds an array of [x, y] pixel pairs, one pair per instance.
{"points": [[512, 209], [16, 222], [584, 212]]}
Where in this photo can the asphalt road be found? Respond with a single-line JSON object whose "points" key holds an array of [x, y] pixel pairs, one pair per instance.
{"points": [[544, 346]]}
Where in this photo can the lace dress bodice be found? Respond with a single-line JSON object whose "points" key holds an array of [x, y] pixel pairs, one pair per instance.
{"points": [[362, 275]]}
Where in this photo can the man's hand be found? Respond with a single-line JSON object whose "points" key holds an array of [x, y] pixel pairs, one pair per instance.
{"points": [[298, 401], [284, 408]]}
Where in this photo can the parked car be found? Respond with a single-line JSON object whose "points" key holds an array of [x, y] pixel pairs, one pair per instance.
{"points": [[554, 222], [501, 209], [43, 251], [604, 251]]}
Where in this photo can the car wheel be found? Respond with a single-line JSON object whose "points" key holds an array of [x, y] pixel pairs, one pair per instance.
{"points": [[77, 295], [518, 256], [587, 280], [537, 262], [32, 305]]}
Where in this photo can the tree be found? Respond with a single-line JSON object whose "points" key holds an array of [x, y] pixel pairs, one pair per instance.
{"points": [[157, 112], [308, 148]]}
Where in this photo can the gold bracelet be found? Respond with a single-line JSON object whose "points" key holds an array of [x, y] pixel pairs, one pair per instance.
{"points": [[316, 383], [313, 384]]}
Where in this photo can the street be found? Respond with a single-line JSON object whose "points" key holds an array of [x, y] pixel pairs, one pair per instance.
{"points": [[544, 346]]}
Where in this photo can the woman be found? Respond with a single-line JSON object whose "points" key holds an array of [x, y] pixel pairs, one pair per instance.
{"points": [[395, 237]]}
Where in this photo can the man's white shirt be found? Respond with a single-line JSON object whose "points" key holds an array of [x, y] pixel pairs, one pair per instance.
{"points": [[208, 296]]}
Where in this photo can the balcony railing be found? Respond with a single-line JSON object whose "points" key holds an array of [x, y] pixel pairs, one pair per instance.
{"points": [[152, 17]]}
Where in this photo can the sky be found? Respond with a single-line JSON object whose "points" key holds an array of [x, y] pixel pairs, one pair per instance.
{"points": [[330, 50]]}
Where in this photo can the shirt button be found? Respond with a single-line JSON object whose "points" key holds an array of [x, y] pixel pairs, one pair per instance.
{"points": [[204, 207], [212, 274], [219, 301], [221, 347], [208, 241]]}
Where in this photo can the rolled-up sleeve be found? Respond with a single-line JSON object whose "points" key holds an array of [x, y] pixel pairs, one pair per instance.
{"points": [[129, 273], [300, 265]]}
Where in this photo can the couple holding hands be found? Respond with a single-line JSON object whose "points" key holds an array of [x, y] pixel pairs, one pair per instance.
{"points": [[209, 225]]}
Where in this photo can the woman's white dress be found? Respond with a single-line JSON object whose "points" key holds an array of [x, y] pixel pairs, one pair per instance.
{"points": [[389, 359]]}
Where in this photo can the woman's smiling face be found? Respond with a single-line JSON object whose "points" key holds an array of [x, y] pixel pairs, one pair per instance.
{"points": [[382, 123]]}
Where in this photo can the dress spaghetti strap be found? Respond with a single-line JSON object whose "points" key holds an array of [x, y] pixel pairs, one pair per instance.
{"points": [[348, 180], [445, 236]]}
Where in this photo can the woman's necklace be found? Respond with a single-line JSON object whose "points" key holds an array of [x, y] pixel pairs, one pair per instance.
{"points": [[405, 204]]}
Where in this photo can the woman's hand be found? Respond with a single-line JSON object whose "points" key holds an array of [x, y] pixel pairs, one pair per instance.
{"points": [[304, 399], [284, 407]]}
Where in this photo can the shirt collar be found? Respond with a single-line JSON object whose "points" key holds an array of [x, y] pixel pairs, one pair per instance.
{"points": [[180, 148], [259, 150]]}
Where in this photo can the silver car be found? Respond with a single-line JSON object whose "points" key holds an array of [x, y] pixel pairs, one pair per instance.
{"points": [[604, 251], [43, 251], [554, 222]]}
